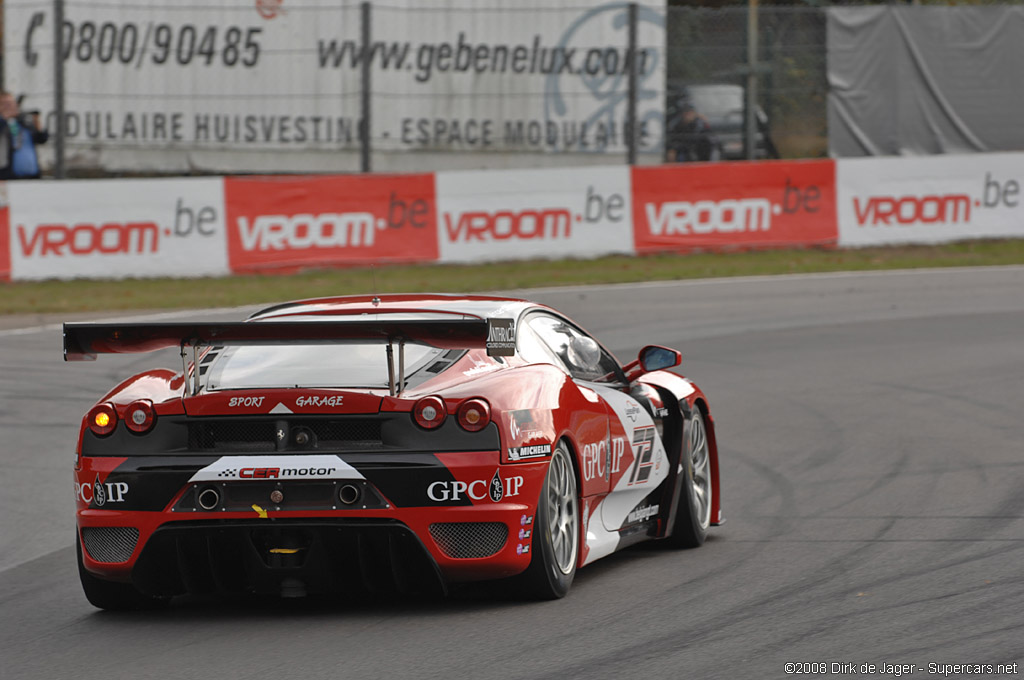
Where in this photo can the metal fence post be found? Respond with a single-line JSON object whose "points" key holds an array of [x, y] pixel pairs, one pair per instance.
{"points": [[58, 89], [750, 138], [631, 132], [364, 128]]}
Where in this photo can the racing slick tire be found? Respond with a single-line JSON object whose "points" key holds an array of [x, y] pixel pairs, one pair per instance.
{"points": [[693, 510], [112, 595], [556, 533]]}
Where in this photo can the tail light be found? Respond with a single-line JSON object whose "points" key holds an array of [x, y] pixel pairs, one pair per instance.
{"points": [[139, 416], [102, 419], [429, 412], [474, 415]]}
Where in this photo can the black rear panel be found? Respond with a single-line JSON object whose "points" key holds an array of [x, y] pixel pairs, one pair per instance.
{"points": [[183, 435], [311, 556], [229, 435]]}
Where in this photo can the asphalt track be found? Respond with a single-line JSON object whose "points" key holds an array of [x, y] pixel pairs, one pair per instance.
{"points": [[872, 439]]}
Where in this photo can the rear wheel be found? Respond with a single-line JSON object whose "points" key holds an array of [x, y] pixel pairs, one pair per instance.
{"points": [[693, 512], [113, 595], [556, 534]]}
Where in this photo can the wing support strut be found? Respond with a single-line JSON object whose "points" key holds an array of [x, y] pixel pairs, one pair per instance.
{"points": [[396, 383]]}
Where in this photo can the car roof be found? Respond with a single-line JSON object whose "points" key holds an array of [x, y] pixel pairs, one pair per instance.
{"points": [[476, 306]]}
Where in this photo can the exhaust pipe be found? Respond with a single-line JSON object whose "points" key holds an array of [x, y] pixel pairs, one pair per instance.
{"points": [[208, 498], [349, 494]]}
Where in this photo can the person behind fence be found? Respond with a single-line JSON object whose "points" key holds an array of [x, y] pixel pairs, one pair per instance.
{"points": [[18, 140], [691, 138]]}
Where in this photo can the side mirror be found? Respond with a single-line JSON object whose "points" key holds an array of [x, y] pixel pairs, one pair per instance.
{"points": [[656, 358]]}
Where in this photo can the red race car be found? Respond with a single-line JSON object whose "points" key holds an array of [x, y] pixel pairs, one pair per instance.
{"points": [[392, 443]]}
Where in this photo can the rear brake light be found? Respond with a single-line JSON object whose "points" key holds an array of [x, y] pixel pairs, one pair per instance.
{"points": [[102, 419], [474, 415], [139, 416], [429, 412]]}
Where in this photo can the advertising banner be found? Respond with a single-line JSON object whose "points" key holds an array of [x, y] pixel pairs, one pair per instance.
{"points": [[291, 222], [114, 229], [522, 214], [5, 234], [734, 205], [930, 200], [210, 84]]}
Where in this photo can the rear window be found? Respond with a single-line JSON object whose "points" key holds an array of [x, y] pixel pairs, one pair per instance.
{"points": [[320, 365], [328, 365]]}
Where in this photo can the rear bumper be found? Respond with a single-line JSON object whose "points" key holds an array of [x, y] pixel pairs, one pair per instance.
{"points": [[326, 554], [382, 544]]}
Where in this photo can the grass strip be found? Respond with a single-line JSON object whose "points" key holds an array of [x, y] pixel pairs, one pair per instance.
{"points": [[105, 295]]}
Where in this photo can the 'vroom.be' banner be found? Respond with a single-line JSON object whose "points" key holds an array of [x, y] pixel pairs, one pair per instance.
{"points": [[729, 205], [930, 200], [290, 222], [522, 214], [5, 234], [111, 229]]}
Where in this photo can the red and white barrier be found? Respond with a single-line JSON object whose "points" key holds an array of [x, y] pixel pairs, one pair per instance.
{"points": [[219, 226], [933, 199], [520, 214], [741, 205], [116, 229], [290, 222]]}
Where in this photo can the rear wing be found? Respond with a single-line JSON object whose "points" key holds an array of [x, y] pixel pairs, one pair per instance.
{"points": [[83, 341]]}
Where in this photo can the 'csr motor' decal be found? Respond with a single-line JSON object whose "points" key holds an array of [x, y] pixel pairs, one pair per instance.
{"points": [[241, 468]]}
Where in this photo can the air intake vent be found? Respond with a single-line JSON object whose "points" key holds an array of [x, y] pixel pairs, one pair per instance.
{"points": [[228, 435], [465, 540], [110, 544], [249, 435]]}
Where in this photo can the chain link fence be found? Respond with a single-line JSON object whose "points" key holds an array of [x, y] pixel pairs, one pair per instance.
{"points": [[708, 69], [322, 86]]}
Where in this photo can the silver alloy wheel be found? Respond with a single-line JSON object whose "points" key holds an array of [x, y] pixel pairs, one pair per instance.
{"points": [[700, 461], [562, 509]]}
